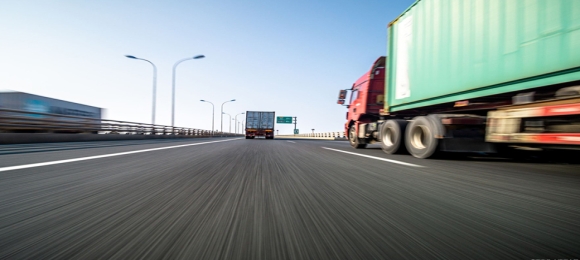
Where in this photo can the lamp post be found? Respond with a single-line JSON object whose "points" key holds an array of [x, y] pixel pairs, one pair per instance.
{"points": [[222, 115], [173, 86], [229, 120], [237, 121], [154, 84], [212, 113]]}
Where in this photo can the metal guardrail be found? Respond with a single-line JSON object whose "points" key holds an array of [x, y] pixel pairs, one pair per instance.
{"points": [[19, 121], [320, 135]]}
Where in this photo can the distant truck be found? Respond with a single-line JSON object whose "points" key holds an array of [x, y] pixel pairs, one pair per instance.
{"points": [[25, 102], [472, 76], [259, 123]]}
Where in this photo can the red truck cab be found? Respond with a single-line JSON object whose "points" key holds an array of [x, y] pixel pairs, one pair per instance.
{"points": [[366, 99]]}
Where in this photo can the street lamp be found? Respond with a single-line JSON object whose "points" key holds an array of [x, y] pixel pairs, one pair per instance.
{"points": [[154, 84], [237, 121], [229, 120], [212, 113], [222, 115], [173, 86]]}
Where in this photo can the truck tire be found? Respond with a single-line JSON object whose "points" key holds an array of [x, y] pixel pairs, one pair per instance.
{"points": [[393, 136], [354, 140], [420, 137]]}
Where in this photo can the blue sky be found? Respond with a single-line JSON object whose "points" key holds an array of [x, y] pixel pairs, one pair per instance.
{"points": [[291, 57]]}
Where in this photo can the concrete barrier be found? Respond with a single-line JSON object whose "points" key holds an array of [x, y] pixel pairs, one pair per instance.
{"points": [[310, 137], [337, 136]]}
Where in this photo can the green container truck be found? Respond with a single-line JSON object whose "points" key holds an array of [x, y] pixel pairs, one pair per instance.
{"points": [[472, 76]]}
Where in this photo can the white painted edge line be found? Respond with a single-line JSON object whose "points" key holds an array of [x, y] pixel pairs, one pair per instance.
{"points": [[291, 142], [25, 166], [376, 158]]}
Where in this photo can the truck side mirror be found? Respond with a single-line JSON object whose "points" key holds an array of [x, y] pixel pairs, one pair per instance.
{"points": [[342, 94], [340, 102]]}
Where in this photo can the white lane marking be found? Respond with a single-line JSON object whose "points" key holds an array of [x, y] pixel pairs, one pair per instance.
{"points": [[376, 158], [291, 142], [25, 166]]}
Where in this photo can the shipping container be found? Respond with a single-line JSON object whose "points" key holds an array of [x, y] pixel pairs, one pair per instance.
{"points": [[448, 50], [259, 123]]}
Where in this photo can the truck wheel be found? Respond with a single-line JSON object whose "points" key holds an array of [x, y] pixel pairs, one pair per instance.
{"points": [[420, 137], [393, 135], [354, 140]]}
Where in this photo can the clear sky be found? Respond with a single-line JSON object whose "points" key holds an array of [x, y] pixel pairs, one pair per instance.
{"points": [[291, 57]]}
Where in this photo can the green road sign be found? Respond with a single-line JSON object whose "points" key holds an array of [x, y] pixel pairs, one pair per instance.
{"points": [[296, 131], [284, 119]]}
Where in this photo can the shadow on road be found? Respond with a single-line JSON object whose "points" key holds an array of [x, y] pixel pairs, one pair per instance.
{"points": [[518, 156]]}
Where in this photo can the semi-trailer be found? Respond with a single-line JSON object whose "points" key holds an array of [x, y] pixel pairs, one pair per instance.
{"points": [[260, 123], [472, 76]]}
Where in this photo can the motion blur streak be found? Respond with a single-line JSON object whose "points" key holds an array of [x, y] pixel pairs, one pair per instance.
{"points": [[268, 199]]}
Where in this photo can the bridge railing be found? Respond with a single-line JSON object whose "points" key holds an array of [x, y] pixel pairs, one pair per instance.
{"points": [[19, 121], [321, 135]]}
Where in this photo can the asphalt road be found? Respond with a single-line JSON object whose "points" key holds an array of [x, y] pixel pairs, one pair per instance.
{"points": [[279, 199]]}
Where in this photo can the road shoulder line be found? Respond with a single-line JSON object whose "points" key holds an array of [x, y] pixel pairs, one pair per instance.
{"points": [[25, 166]]}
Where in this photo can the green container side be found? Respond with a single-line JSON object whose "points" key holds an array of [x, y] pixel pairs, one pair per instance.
{"points": [[449, 50]]}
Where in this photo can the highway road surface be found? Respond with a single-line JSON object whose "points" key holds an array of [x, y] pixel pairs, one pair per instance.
{"points": [[233, 198]]}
